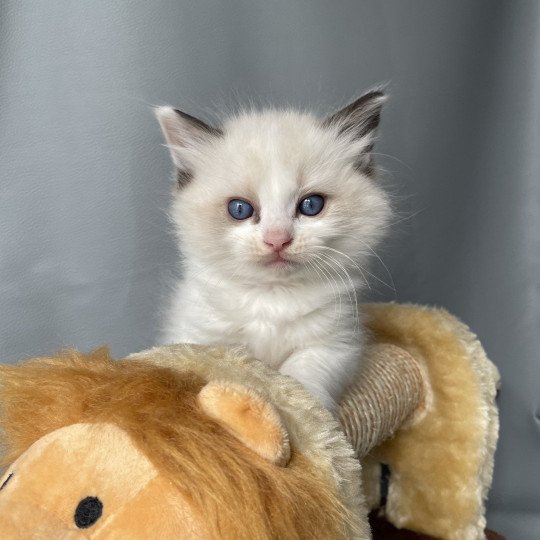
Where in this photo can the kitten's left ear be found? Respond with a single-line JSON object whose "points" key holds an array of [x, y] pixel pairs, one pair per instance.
{"points": [[185, 136], [358, 123]]}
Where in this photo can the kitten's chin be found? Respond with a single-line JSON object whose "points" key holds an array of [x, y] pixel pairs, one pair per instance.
{"points": [[280, 265], [278, 262]]}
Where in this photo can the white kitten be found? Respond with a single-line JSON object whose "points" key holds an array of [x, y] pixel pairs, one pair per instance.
{"points": [[276, 213]]}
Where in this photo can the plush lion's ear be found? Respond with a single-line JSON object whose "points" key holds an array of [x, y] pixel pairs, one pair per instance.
{"points": [[248, 417]]}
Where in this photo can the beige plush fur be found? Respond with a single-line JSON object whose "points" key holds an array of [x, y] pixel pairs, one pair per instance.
{"points": [[442, 464]]}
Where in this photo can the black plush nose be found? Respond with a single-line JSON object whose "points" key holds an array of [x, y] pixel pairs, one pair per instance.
{"points": [[88, 511]]}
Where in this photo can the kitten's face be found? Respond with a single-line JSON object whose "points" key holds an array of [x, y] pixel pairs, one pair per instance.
{"points": [[276, 195]]}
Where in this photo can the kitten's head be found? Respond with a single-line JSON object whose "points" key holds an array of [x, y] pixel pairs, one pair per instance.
{"points": [[277, 195]]}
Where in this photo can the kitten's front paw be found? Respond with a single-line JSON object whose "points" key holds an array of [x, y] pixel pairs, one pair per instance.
{"points": [[322, 396], [311, 384]]}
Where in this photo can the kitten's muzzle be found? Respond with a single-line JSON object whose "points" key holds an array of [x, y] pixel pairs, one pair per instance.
{"points": [[278, 239]]}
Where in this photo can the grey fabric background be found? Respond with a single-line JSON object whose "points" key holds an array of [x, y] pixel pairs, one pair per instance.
{"points": [[85, 256]]}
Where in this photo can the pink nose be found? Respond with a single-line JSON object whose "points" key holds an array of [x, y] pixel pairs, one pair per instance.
{"points": [[278, 239]]}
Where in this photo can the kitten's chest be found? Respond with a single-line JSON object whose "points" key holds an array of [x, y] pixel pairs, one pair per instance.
{"points": [[275, 322]]}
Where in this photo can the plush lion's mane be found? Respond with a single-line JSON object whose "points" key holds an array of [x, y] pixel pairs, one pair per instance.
{"points": [[236, 493]]}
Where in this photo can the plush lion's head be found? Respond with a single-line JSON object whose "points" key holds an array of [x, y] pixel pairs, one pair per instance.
{"points": [[95, 446]]}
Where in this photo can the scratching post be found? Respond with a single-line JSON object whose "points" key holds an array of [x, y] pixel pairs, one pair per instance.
{"points": [[388, 390]]}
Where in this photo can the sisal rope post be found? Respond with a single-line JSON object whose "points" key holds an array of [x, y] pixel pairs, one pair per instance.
{"points": [[388, 390]]}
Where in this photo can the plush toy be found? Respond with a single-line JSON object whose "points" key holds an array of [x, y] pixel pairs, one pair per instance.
{"points": [[203, 442]]}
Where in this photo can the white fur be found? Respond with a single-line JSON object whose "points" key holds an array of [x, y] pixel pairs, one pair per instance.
{"points": [[301, 319]]}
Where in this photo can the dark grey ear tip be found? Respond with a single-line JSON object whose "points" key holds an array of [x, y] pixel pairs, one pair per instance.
{"points": [[199, 124], [375, 97], [379, 93], [383, 89], [186, 116]]}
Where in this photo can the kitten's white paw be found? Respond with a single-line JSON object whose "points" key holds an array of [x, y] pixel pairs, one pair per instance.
{"points": [[325, 399]]}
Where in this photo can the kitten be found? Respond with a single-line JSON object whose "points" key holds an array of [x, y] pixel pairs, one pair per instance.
{"points": [[276, 213]]}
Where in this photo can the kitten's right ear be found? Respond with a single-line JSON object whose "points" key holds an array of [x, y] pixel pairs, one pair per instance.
{"points": [[358, 123], [184, 134], [360, 119]]}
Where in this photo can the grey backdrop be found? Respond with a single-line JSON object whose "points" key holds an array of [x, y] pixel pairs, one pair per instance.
{"points": [[85, 255]]}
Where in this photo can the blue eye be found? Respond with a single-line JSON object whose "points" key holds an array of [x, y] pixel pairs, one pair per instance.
{"points": [[240, 209], [311, 205]]}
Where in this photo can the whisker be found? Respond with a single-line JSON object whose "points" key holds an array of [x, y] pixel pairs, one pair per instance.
{"points": [[393, 285], [361, 269], [371, 252], [394, 158], [355, 264], [335, 290], [351, 289]]}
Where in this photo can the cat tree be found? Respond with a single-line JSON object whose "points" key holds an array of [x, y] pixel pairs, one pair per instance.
{"points": [[416, 442]]}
